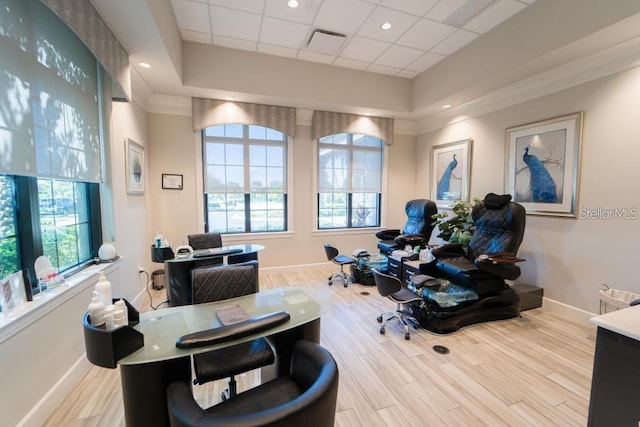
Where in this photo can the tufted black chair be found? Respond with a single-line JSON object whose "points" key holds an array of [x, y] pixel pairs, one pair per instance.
{"points": [[306, 397], [416, 231], [221, 283], [492, 251], [206, 241]]}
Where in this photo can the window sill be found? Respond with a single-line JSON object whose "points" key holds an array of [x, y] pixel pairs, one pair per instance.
{"points": [[346, 231], [47, 301], [244, 237]]}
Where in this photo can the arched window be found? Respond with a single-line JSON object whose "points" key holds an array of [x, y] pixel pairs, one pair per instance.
{"points": [[245, 178], [349, 181]]}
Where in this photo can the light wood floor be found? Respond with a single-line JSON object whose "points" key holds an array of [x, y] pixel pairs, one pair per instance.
{"points": [[531, 371]]}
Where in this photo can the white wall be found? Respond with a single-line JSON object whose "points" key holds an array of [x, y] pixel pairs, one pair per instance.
{"points": [[569, 258], [174, 149]]}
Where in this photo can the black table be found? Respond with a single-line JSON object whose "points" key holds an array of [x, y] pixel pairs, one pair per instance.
{"points": [[178, 269]]}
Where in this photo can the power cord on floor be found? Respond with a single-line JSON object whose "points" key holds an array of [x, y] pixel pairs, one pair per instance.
{"points": [[150, 283]]}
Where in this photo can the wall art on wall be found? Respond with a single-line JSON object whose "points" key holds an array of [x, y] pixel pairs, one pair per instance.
{"points": [[450, 172], [171, 181], [136, 170], [543, 165]]}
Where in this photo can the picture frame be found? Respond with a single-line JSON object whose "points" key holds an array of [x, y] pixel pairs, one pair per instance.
{"points": [[171, 181], [15, 290], [135, 167], [543, 165], [450, 172]]}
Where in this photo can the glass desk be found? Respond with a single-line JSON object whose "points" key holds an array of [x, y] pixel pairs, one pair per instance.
{"points": [[178, 269], [146, 372]]}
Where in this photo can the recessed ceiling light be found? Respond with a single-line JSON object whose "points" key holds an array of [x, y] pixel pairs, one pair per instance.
{"points": [[446, 106], [385, 26], [293, 3], [144, 64]]}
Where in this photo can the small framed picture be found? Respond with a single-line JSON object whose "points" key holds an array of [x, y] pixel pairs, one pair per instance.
{"points": [[171, 181]]}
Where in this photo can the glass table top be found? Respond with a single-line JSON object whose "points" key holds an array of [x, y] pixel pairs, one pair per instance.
{"points": [[161, 328]]}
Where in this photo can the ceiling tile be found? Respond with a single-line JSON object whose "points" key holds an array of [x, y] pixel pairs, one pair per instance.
{"points": [[414, 7], [362, 49], [255, 6], [304, 13], [192, 16], [234, 23], [494, 15], [315, 57], [443, 9], [398, 56], [425, 62], [426, 34], [277, 50], [400, 22], [235, 43], [407, 74], [350, 63], [193, 36], [382, 69], [344, 16], [454, 42], [283, 33]]}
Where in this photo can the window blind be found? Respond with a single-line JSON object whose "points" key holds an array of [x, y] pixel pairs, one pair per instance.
{"points": [[49, 124]]}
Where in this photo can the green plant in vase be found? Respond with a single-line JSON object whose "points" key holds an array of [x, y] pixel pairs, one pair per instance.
{"points": [[458, 228]]}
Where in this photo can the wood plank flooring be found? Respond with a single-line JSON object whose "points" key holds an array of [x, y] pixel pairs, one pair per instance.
{"points": [[531, 371]]}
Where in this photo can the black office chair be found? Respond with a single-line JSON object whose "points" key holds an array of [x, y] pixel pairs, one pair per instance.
{"points": [[491, 255], [417, 230], [391, 287], [206, 241], [220, 283], [306, 397], [335, 257]]}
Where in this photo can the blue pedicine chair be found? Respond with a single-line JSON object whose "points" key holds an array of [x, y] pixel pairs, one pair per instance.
{"points": [[462, 287]]}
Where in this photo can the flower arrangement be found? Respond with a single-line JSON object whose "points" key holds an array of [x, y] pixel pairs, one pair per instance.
{"points": [[460, 227]]}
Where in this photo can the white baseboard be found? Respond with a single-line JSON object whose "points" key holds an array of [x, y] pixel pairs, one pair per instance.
{"points": [[567, 311], [45, 406]]}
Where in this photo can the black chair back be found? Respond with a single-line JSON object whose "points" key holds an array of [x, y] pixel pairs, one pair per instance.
{"points": [[386, 284], [205, 240], [331, 251], [419, 219], [223, 282], [499, 225]]}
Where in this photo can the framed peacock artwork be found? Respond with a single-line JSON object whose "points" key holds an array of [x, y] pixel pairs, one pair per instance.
{"points": [[450, 172], [543, 165]]}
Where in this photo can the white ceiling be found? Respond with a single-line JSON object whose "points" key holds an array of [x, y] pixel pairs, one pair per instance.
{"points": [[420, 35]]}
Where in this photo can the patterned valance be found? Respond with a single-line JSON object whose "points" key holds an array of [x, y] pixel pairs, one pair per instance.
{"points": [[82, 18], [212, 112], [325, 123]]}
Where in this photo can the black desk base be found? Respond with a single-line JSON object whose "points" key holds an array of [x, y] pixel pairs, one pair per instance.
{"points": [[144, 385]]}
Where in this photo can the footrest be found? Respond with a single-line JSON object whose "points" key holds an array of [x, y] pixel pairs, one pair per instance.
{"points": [[231, 332]]}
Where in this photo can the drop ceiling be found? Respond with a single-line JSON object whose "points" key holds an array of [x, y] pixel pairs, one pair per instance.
{"points": [[422, 32]]}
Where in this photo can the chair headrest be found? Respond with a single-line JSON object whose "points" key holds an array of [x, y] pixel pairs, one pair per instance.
{"points": [[494, 201]]}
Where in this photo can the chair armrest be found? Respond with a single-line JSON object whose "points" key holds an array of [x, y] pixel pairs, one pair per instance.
{"points": [[504, 270], [450, 250], [388, 234]]}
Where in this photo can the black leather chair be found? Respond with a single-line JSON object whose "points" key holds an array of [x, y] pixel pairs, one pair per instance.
{"points": [[306, 397], [391, 287], [417, 230], [220, 283], [491, 256], [206, 241], [335, 257]]}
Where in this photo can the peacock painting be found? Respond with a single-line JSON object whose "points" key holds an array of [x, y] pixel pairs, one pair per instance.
{"points": [[444, 183], [541, 185]]}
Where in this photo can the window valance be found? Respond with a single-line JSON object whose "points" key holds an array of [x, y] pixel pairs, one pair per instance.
{"points": [[86, 23], [325, 123], [212, 112]]}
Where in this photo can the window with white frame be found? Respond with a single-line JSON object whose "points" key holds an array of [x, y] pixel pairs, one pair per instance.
{"points": [[349, 181], [245, 178]]}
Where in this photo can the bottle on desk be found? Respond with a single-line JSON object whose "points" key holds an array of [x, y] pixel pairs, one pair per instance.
{"points": [[103, 287]]}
